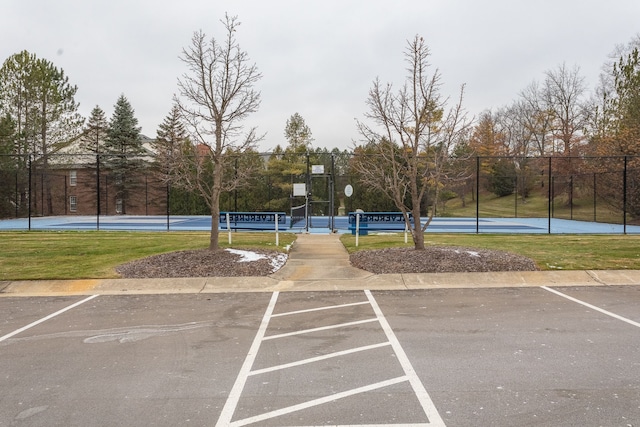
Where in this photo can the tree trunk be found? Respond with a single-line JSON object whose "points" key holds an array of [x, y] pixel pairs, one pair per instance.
{"points": [[215, 223], [215, 203], [418, 235]]}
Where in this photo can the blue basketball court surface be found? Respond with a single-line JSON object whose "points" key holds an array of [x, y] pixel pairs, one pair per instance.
{"points": [[317, 224]]}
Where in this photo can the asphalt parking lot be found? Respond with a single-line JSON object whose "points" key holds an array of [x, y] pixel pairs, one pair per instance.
{"points": [[454, 357]]}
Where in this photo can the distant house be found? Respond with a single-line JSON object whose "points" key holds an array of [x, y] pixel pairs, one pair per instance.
{"points": [[71, 185]]}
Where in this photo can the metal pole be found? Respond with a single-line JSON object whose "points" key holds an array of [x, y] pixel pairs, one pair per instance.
{"points": [[332, 193], [106, 191], [308, 196], [550, 196], [98, 191], [168, 204], [146, 195], [30, 194], [66, 195], [553, 196], [17, 196], [515, 179], [624, 197], [41, 192], [571, 196], [477, 194], [595, 195], [357, 227]]}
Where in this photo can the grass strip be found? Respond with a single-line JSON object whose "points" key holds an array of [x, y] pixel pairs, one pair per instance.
{"points": [[35, 255], [550, 252]]}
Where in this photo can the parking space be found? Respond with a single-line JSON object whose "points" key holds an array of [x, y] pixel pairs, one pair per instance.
{"points": [[521, 356], [15, 316], [455, 357]]}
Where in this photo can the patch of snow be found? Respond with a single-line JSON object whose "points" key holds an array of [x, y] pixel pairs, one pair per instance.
{"points": [[277, 260], [247, 256], [472, 253]]}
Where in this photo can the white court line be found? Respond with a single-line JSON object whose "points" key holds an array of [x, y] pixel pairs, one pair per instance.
{"points": [[322, 328], [330, 307], [319, 358], [423, 397], [44, 319], [593, 307], [236, 391]]}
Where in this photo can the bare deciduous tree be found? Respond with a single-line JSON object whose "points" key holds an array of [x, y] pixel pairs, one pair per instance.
{"points": [[564, 90], [216, 95], [409, 145]]}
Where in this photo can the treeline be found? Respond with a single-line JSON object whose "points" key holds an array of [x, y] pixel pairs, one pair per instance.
{"points": [[557, 117]]}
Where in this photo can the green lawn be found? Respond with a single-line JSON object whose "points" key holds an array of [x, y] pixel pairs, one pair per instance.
{"points": [[550, 252], [535, 206], [94, 254]]}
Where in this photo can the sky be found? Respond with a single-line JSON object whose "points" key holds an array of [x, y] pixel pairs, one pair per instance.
{"points": [[317, 58]]}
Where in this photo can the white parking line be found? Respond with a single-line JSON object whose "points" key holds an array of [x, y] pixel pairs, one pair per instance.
{"points": [[319, 358], [321, 328], [44, 319], [424, 398], [319, 401], [593, 307], [409, 376], [236, 391], [330, 307]]}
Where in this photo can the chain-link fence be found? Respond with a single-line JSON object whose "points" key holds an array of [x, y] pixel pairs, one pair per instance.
{"points": [[597, 189]]}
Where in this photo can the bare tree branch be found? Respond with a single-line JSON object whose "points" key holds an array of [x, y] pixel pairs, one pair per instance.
{"points": [[408, 146], [216, 94]]}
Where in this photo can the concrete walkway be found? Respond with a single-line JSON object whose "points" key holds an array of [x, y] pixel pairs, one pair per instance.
{"points": [[319, 262], [316, 257]]}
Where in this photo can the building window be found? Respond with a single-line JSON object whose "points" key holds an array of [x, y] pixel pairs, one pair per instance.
{"points": [[118, 206], [73, 178], [73, 203]]}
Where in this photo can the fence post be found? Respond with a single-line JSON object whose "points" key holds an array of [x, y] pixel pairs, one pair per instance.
{"points": [[168, 205], [515, 186], [18, 202], [307, 194], [97, 191], [571, 196], [30, 192], [624, 197], [66, 195], [595, 197], [550, 198], [477, 194], [332, 191], [357, 227]]}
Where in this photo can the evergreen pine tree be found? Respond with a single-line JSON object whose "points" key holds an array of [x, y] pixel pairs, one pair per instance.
{"points": [[123, 152], [94, 135], [7, 166], [95, 132], [40, 100], [171, 141]]}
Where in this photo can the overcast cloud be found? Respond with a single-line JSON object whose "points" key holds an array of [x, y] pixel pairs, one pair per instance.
{"points": [[317, 58]]}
